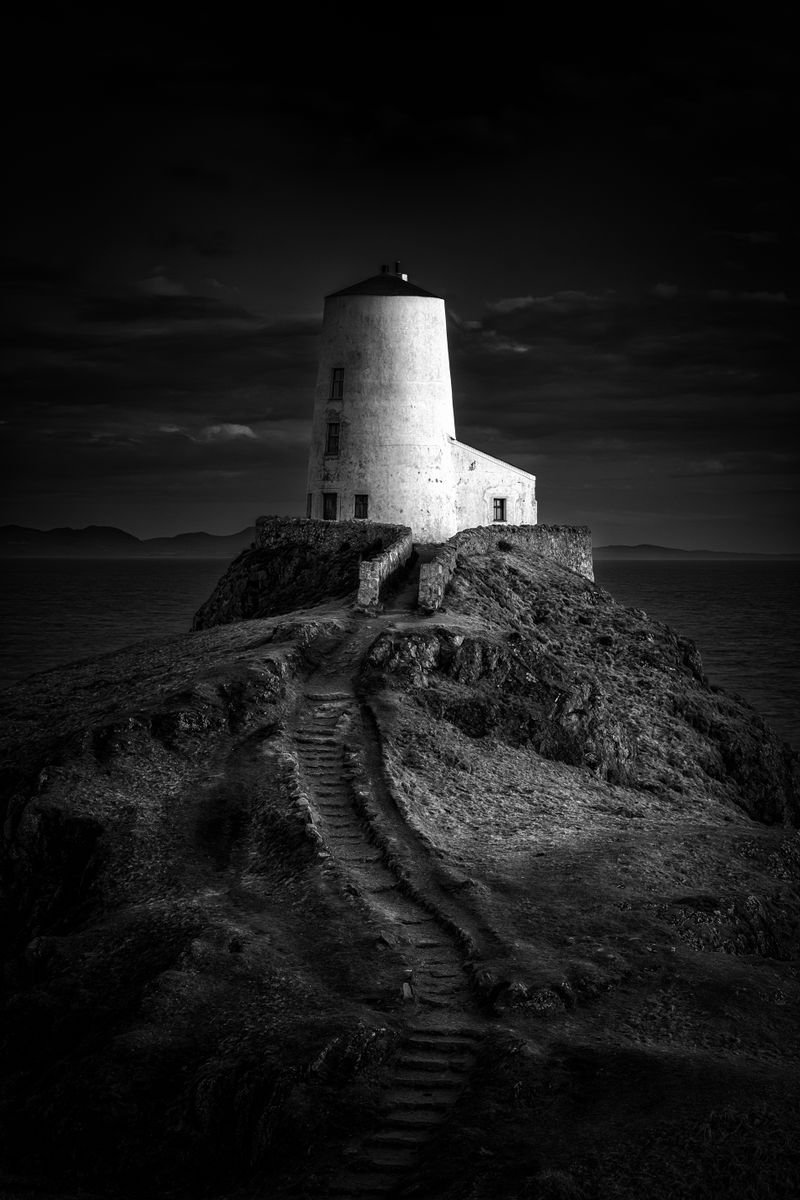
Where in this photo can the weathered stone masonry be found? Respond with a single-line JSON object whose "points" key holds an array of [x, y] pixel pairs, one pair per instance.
{"points": [[569, 545], [374, 573]]}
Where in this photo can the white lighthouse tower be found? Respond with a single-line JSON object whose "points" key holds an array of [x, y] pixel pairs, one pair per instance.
{"points": [[383, 444]]}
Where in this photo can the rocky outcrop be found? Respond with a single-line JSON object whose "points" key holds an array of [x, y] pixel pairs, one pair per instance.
{"points": [[504, 690], [583, 681], [295, 564]]}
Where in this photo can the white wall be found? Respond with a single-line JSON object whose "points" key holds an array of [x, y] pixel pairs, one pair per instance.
{"points": [[396, 413], [478, 479]]}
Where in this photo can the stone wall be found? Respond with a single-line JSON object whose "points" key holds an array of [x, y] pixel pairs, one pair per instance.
{"points": [[375, 572], [294, 563], [326, 535], [434, 577], [568, 545]]}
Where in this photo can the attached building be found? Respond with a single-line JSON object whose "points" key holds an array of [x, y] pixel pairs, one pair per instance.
{"points": [[383, 444]]}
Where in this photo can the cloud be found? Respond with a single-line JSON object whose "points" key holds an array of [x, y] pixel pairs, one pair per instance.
{"points": [[218, 285], [756, 237], [226, 432], [159, 306], [745, 462], [559, 302], [665, 291], [632, 376], [211, 243], [724, 295], [161, 285]]}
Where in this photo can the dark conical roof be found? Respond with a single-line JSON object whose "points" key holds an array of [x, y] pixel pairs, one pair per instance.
{"points": [[385, 284]]}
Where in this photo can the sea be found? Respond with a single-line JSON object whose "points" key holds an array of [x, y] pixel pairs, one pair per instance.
{"points": [[744, 615]]}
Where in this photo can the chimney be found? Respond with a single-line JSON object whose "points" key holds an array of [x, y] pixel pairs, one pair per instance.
{"points": [[384, 268]]}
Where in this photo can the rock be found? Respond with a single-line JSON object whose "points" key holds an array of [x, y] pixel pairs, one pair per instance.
{"points": [[293, 564]]}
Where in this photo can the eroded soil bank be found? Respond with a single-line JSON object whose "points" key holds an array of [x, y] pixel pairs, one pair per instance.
{"points": [[201, 999]]}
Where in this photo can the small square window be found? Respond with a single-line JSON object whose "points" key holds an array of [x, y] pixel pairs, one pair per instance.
{"points": [[361, 507], [309, 501], [332, 438], [329, 506], [499, 509], [337, 383]]}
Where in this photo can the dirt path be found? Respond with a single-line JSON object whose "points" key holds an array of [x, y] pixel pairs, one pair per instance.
{"points": [[444, 1024]]}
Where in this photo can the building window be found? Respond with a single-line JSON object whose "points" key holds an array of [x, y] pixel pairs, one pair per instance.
{"points": [[337, 383], [332, 438], [499, 509], [309, 501], [329, 505], [361, 507]]}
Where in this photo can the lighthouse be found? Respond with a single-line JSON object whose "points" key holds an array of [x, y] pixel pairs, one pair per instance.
{"points": [[383, 444]]}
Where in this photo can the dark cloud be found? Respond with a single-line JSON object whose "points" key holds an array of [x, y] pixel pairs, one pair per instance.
{"points": [[212, 243], [155, 306], [712, 385], [754, 237]]}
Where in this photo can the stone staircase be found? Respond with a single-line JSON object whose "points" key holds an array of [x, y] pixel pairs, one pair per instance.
{"points": [[438, 1048]]}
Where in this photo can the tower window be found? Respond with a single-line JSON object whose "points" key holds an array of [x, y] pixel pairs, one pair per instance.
{"points": [[337, 383], [361, 507], [329, 505], [332, 438], [309, 501], [499, 508]]}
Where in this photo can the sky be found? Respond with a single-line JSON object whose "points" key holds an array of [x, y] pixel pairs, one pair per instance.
{"points": [[611, 219]]}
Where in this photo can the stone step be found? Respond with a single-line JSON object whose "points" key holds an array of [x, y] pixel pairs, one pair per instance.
{"points": [[351, 1186], [330, 697], [438, 970], [440, 1030], [425, 1082], [438, 1062], [386, 1159], [411, 1137], [414, 1115], [423, 1042], [411, 1104]]}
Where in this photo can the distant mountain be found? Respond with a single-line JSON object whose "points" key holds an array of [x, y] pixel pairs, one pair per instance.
{"points": [[105, 541], [646, 551]]}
